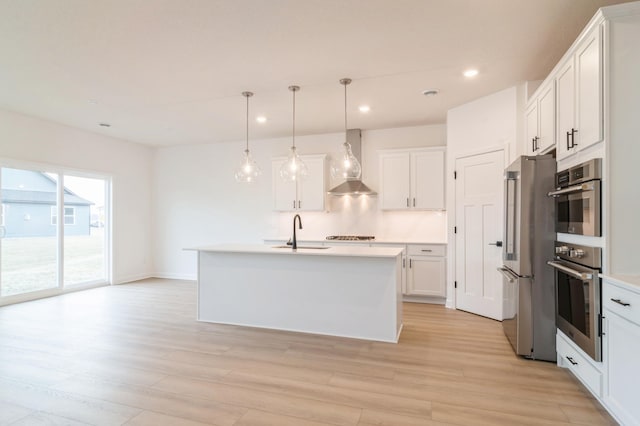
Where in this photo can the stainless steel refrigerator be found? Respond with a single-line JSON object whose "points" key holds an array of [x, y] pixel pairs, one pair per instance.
{"points": [[529, 291]]}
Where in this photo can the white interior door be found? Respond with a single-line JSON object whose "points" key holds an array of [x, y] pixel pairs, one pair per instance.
{"points": [[479, 222]]}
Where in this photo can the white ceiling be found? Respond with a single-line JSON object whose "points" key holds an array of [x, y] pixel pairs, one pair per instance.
{"points": [[165, 72]]}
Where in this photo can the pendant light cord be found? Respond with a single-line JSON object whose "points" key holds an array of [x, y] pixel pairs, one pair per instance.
{"points": [[345, 109], [247, 123], [294, 118]]}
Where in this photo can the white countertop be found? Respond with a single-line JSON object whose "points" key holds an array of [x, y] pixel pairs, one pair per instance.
{"points": [[376, 241], [627, 280], [347, 250]]}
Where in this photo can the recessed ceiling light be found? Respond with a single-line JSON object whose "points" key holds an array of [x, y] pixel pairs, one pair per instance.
{"points": [[105, 124], [261, 119], [92, 102], [470, 73], [364, 108], [430, 92]]}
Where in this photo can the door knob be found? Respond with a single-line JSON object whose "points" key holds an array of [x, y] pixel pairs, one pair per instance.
{"points": [[497, 244]]}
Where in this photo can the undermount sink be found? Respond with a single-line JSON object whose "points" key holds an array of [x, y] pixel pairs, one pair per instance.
{"points": [[302, 247]]}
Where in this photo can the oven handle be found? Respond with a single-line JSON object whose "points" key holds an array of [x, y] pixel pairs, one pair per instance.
{"points": [[576, 188], [572, 272]]}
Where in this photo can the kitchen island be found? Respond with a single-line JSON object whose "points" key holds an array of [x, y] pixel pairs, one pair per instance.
{"points": [[339, 291]]}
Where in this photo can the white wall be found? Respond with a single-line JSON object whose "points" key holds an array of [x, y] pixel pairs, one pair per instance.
{"points": [[198, 202], [25, 139], [492, 122]]}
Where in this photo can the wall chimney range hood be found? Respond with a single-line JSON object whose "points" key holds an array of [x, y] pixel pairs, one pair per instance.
{"points": [[353, 186]]}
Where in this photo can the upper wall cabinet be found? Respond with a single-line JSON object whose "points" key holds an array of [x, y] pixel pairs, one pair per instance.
{"points": [[580, 99], [306, 195], [540, 120], [412, 179]]}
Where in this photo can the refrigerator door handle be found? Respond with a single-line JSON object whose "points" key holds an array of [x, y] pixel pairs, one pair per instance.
{"points": [[510, 276], [510, 219]]}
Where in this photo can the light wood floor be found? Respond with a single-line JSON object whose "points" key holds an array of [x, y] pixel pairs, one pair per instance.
{"points": [[134, 354]]}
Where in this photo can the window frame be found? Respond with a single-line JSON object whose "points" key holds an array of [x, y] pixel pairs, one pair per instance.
{"points": [[2, 213]]}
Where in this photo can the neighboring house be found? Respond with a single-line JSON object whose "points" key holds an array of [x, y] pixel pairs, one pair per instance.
{"points": [[29, 206]]}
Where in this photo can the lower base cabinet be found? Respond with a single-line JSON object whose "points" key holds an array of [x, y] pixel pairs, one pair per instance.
{"points": [[621, 346], [426, 276], [589, 372]]}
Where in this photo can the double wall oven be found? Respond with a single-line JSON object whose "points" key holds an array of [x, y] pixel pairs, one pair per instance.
{"points": [[578, 199], [578, 299]]}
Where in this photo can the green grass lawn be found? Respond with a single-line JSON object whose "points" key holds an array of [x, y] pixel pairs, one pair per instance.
{"points": [[29, 264]]}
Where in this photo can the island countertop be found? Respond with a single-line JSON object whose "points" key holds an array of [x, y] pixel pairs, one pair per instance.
{"points": [[354, 250]]}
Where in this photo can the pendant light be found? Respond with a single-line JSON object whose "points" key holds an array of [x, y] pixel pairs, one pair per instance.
{"points": [[294, 168], [248, 171], [346, 165]]}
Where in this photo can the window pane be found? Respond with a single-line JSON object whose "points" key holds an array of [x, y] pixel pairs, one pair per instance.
{"points": [[84, 239], [28, 243]]}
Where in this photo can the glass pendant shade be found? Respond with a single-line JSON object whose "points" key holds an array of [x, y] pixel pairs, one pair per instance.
{"points": [[248, 171], [346, 166], [294, 168]]}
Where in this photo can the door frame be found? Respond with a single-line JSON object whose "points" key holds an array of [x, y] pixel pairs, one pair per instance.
{"points": [[61, 171], [451, 301]]}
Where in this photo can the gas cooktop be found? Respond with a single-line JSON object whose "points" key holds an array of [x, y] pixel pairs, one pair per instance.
{"points": [[351, 237]]}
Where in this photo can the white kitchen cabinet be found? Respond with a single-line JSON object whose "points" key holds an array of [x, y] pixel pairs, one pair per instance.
{"points": [[426, 270], [306, 195], [540, 120], [412, 179], [580, 101], [621, 346], [588, 371]]}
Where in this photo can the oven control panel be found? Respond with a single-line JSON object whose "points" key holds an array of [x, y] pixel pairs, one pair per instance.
{"points": [[586, 255]]}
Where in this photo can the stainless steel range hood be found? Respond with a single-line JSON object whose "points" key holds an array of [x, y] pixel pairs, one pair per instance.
{"points": [[353, 186]]}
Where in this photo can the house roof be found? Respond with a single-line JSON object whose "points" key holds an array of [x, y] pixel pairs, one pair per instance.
{"points": [[41, 197]]}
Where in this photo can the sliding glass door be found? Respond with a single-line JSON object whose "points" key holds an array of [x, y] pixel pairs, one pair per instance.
{"points": [[84, 236], [52, 231], [28, 248]]}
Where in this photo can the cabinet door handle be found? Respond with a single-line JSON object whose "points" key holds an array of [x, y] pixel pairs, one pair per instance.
{"points": [[404, 263], [414, 202], [571, 360], [568, 136], [427, 250], [410, 263], [407, 201], [620, 302], [294, 204], [573, 137], [535, 143], [298, 203]]}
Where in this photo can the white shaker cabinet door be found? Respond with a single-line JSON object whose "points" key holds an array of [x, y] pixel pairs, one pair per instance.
{"points": [[531, 121], [589, 119], [284, 193], [427, 180], [546, 118], [426, 276], [312, 190], [395, 175], [565, 110]]}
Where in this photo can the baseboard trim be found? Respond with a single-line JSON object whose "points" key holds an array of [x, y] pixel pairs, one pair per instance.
{"points": [[174, 276], [130, 278]]}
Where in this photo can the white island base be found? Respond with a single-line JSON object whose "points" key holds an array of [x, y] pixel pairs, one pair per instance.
{"points": [[340, 291]]}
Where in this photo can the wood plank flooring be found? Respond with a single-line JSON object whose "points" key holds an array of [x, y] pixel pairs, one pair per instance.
{"points": [[134, 355]]}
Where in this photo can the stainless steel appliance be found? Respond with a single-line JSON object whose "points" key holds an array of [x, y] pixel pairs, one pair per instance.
{"points": [[578, 302], [578, 199], [351, 237], [529, 296]]}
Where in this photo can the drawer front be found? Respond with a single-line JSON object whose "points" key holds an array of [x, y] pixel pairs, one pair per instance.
{"points": [[579, 365], [426, 250], [621, 301]]}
